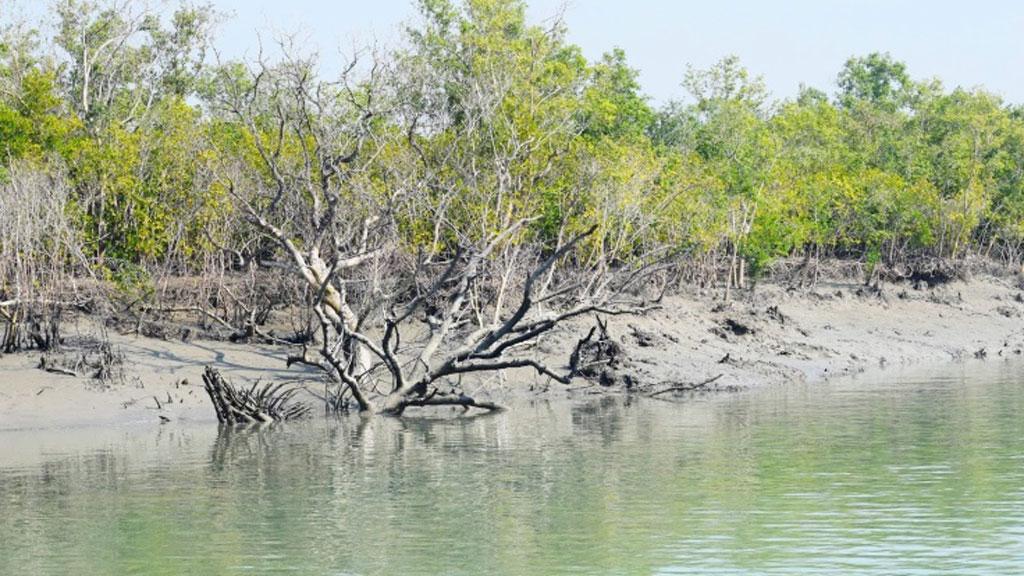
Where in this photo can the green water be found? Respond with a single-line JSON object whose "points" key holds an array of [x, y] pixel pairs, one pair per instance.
{"points": [[894, 475]]}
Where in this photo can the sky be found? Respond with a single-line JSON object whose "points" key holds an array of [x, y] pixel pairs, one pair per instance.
{"points": [[788, 42]]}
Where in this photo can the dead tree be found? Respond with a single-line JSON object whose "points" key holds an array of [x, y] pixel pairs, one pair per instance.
{"points": [[41, 262], [485, 349], [309, 194], [420, 373], [316, 195]]}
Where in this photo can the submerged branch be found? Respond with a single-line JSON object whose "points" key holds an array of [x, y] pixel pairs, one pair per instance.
{"points": [[685, 387], [453, 399]]}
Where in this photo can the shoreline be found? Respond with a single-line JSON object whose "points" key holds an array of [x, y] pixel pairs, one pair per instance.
{"points": [[836, 329], [767, 335]]}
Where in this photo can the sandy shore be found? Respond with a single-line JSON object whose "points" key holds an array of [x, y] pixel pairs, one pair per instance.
{"points": [[769, 335]]}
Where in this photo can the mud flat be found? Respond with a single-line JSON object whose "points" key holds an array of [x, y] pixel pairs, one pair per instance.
{"points": [[768, 335]]}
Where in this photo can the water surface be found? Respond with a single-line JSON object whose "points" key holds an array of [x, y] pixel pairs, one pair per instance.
{"points": [[894, 474]]}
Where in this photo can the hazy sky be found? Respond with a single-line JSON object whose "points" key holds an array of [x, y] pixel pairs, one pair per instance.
{"points": [[787, 41]]}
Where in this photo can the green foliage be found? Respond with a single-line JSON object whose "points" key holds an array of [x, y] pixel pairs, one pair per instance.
{"points": [[613, 105], [130, 279], [495, 119], [32, 125], [876, 79]]}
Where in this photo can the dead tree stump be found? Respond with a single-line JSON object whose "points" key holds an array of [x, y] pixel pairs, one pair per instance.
{"points": [[598, 357], [258, 404]]}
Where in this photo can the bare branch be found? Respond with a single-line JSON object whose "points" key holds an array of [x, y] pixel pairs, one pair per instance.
{"points": [[686, 387]]}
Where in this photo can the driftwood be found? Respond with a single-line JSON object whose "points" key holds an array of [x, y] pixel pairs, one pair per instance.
{"points": [[47, 367], [258, 404], [686, 387]]}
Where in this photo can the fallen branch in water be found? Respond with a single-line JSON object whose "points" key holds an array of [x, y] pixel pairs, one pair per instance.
{"points": [[685, 387], [452, 399]]}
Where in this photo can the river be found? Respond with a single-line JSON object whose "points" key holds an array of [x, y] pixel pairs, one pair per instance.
{"points": [[898, 473]]}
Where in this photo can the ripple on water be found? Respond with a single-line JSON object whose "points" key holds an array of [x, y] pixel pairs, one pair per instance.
{"points": [[907, 475]]}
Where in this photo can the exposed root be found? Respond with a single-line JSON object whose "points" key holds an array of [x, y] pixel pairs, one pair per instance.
{"points": [[47, 367], [924, 272], [267, 403], [97, 359], [30, 329], [598, 357]]}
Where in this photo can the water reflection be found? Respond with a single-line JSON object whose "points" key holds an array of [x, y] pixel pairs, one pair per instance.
{"points": [[922, 475]]}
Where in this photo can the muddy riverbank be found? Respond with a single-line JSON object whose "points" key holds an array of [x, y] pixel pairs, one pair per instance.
{"points": [[768, 335]]}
